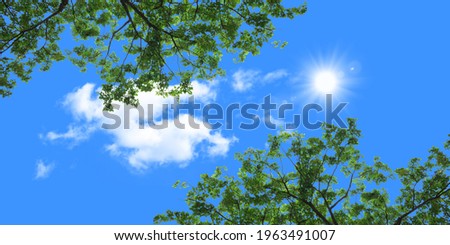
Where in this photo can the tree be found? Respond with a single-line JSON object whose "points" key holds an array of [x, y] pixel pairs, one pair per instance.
{"points": [[156, 36], [319, 181]]}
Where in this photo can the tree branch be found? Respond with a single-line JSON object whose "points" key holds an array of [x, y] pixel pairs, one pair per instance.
{"points": [[330, 210], [399, 220], [125, 7], [14, 39], [338, 162], [142, 15], [263, 216], [346, 193], [13, 16], [316, 211], [308, 203], [221, 215], [113, 34]]}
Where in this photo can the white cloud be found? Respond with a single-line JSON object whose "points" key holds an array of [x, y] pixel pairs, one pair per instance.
{"points": [[84, 108], [243, 80], [43, 170], [275, 75], [146, 147]]}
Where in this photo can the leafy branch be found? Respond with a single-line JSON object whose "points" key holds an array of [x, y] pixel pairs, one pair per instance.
{"points": [[9, 43]]}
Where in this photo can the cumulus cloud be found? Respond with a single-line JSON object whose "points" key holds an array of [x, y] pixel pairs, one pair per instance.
{"points": [[144, 146], [83, 104], [203, 92], [43, 170], [139, 144]]}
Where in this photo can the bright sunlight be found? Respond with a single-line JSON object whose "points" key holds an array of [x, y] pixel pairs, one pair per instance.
{"points": [[326, 82]]}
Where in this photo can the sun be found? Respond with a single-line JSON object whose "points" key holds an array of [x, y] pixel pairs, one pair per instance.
{"points": [[324, 75], [325, 81]]}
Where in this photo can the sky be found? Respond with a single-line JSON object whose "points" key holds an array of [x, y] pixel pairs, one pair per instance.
{"points": [[389, 59]]}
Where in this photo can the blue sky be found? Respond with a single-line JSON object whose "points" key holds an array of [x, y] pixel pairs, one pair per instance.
{"points": [[58, 167]]}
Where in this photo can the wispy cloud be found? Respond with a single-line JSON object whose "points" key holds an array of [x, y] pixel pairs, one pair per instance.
{"points": [[73, 135], [277, 122], [43, 170], [243, 80], [275, 75]]}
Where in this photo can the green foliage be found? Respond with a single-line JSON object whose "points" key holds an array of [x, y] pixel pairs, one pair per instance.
{"points": [[323, 180], [156, 36]]}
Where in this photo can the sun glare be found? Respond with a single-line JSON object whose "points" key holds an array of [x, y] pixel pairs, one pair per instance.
{"points": [[325, 82], [327, 74]]}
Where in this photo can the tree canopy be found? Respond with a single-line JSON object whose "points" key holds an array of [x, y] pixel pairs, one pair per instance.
{"points": [[156, 37], [320, 180]]}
